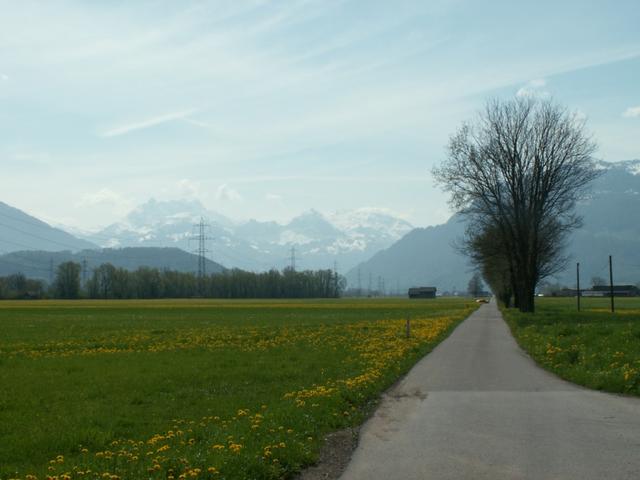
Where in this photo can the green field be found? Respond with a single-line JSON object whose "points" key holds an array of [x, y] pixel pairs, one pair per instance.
{"points": [[196, 388], [593, 347]]}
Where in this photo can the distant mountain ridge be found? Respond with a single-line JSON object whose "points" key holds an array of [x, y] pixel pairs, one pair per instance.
{"points": [[42, 264], [346, 237], [427, 256], [20, 231]]}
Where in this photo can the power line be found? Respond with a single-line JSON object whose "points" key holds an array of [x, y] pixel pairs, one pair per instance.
{"points": [[43, 225], [66, 245], [97, 256], [22, 265]]}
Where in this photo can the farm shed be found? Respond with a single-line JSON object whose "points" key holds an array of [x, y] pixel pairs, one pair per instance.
{"points": [[618, 291], [422, 292]]}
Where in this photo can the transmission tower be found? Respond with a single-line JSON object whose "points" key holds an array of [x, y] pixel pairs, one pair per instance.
{"points": [[201, 250], [359, 282]]}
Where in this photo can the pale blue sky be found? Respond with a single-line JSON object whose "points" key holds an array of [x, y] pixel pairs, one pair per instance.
{"points": [[265, 109]]}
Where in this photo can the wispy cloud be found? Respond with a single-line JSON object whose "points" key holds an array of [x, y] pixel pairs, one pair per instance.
{"points": [[534, 88], [225, 192], [290, 93], [632, 112], [105, 196], [148, 123]]}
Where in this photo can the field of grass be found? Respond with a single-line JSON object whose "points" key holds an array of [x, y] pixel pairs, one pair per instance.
{"points": [[593, 347], [196, 388]]}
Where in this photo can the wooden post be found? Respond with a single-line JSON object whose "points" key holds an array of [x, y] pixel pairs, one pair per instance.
{"points": [[578, 283], [613, 306]]}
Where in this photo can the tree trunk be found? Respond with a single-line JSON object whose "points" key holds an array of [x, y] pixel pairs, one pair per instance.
{"points": [[505, 298], [526, 297], [516, 297]]}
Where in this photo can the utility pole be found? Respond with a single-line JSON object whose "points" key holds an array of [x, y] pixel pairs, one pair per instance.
{"points": [[293, 259], [370, 286], [359, 282], [613, 306], [384, 288], [578, 283]]}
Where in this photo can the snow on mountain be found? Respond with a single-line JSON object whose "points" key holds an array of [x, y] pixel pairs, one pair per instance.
{"points": [[380, 220], [624, 166], [632, 166], [346, 237]]}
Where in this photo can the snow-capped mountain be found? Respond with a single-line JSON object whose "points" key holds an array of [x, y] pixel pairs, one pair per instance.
{"points": [[346, 237]]}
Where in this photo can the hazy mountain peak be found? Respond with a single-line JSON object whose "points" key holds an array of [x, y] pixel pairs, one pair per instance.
{"points": [[308, 226], [627, 166], [371, 219], [154, 212]]}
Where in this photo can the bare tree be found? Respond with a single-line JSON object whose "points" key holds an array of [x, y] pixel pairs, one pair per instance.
{"points": [[517, 172]]}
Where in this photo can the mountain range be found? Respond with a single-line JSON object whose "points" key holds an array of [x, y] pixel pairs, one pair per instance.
{"points": [[611, 214], [372, 247], [317, 240]]}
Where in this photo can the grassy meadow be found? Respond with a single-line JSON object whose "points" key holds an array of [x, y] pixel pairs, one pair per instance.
{"points": [[197, 388], [592, 347]]}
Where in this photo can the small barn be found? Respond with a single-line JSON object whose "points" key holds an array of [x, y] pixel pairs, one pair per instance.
{"points": [[618, 291], [422, 292]]}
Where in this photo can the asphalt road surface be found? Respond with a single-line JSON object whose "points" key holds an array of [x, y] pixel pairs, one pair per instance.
{"points": [[478, 407]]}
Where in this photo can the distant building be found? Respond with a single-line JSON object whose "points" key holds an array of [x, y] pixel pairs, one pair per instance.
{"points": [[422, 292], [567, 292], [618, 291]]}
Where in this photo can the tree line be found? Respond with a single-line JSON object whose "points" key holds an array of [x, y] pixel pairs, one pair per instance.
{"points": [[110, 282]]}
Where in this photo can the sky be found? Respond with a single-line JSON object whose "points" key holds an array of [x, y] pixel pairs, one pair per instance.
{"points": [[266, 109]]}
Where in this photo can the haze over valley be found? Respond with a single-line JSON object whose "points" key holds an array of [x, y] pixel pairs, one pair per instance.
{"points": [[375, 244]]}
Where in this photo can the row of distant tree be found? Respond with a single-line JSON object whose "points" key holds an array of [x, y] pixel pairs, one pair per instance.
{"points": [[109, 282]]}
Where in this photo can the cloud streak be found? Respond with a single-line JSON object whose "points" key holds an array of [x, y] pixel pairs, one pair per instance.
{"points": [[148, 123], [632, 112]]}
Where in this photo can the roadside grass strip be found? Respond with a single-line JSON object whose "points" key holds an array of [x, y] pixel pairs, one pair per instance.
{"points": [[594, 347]]}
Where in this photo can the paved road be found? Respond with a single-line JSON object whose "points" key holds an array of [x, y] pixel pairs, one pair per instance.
{"points": [[478, 407]]}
